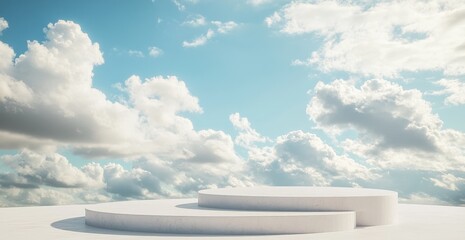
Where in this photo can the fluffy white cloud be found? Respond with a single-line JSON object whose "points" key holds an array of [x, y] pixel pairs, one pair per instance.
{"points": [[179, 5], [258, 2], [127, 184], [161, 99], [224, 27], [53, 98], [12, 197], [31, 169], [273, 19], [208, 160], [247, 135], [136, 53], [394, 142], [422, 198], [3, 24], [298, 158], [13, 90], [220, 27], [212, 146], [195, 21], [7, 54], [454, 90], [381, 39], [448, 181], [307, 149], [200, 40], [395, 128], [155, 52], [53, 101], [35, 175], [30, 176], [10, 88]]}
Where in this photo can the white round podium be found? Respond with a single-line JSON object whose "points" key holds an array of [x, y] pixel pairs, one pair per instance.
{"points": [[372, 206], [254, 210], [184, 216]]}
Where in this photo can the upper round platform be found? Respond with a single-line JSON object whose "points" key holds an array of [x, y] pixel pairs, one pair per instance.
{"points": [[372, 206], [185, 216], [296, 191]]}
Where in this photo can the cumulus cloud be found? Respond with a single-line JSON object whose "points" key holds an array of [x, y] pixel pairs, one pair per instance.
{"points": [[394, 142], [422, 198], [52, 172], [206, 160], [34, 178], [179, 5], [31, 169], [136, 53], [200, 40], [155, 52], [396, 128], [454, 90], [382, 39], [48, 178], [51, 92], [161, 98], [257, 2], [309, 150], [3, 24], [210, 162], [195, 21], [224, 27], [448, 181], [13, 90], [298, 158], [247, 135], [219, 27], [54, 102], [13, 197], [136, 183], [273, 19]]}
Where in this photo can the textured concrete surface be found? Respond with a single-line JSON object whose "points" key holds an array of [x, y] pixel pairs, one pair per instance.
{"points": [[185, 216], [373, 206]]}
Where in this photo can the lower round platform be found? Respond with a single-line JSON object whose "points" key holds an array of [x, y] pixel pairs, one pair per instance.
{"points": [[185, 216], [372, 206]]}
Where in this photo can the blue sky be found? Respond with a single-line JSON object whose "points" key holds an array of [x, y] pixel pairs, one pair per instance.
{"points": [[145, 99]]}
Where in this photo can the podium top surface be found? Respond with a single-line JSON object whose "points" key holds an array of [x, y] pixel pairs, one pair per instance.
{"points": [[286, 192]]}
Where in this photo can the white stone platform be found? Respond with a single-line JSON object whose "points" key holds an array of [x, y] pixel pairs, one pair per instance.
{"points": [[373, 206], [252, 210], [183, 216], [424, 222]]}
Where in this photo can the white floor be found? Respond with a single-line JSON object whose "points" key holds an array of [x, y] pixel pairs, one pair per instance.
{"points": [[67, 222]]}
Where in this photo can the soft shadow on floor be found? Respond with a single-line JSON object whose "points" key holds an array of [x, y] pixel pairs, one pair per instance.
{"points": [[78, 224], [197, 207]]}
